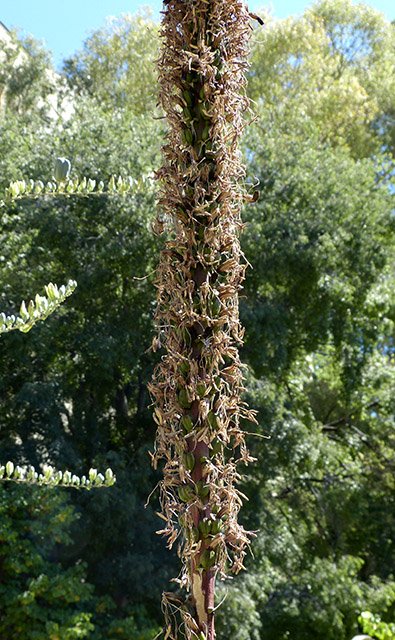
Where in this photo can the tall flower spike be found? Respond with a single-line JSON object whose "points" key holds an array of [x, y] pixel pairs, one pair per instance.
{"points": [[198, 382]]}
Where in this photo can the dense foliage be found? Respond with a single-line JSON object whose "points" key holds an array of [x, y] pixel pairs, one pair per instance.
{"points": [[319, 315]]}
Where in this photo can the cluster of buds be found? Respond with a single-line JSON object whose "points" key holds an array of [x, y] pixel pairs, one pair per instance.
{"points": [[38, 309], [52, 478], [63, 184]]}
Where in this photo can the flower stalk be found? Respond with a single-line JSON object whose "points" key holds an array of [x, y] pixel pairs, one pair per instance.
{"points": [[198, 383]]}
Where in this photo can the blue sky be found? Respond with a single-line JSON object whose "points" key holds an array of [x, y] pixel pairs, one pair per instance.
{"points": [[63, 26]]}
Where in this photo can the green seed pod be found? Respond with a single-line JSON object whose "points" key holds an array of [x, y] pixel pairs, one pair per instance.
{"points": [[62, 169], [215, 306], [199, 342], [216, 446], [201, 389], [187, 97], [186, 112], [205, 527], [186, 423], [184, 368], [207, 559], [203, 112], [195, 534], [202, 489], [188, 460], [217, 383], [205, 132], [201, 93], [212, 420], [186, 493], [216, 526], [187, 136], [183, 399]]}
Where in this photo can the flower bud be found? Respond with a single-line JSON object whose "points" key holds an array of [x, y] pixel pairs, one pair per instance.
{"points": [[62, 169], [9, 468], [207, 559], [188, 460], [185, 493]]}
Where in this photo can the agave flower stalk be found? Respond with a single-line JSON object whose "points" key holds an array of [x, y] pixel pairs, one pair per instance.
{"points": [[197, 385]]}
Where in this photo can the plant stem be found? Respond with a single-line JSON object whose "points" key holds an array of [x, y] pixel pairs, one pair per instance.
{"points": [[198, 383]]}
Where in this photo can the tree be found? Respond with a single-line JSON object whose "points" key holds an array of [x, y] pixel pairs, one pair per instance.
{"points": [[43, 419], [39, 597], [329, 70], [323, 246], [116, 68], [26, 80], [317, 307]]}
